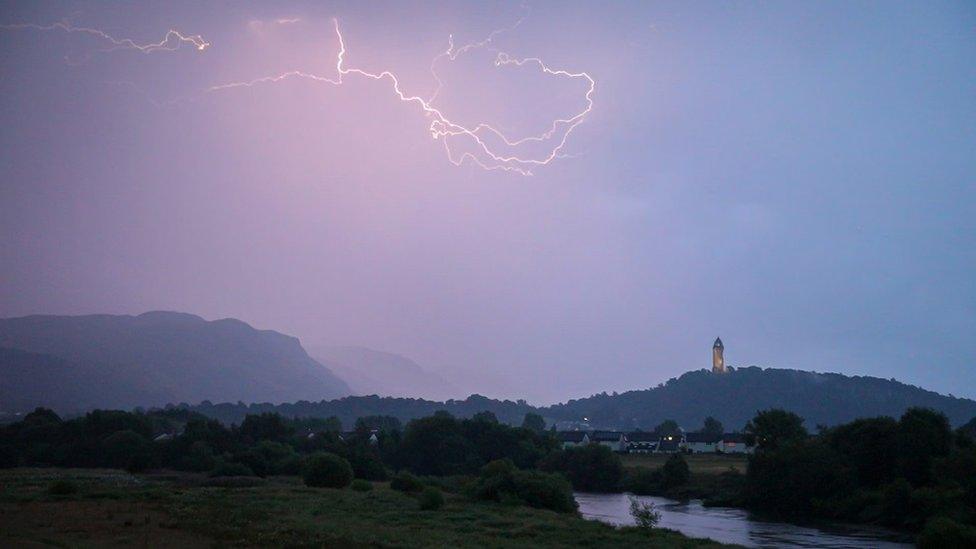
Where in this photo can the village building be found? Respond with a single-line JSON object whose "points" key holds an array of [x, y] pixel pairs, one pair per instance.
{"points": [[641, 442], [701, 443], [669, 444], [615, 440], [572, 439], [735, 443]]}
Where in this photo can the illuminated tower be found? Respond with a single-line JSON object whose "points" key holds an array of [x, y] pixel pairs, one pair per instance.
{"points": [[718, 360]]}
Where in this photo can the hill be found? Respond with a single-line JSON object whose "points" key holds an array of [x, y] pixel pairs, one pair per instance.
{"points": [[370, 372], [72, 363], [734, 397]]}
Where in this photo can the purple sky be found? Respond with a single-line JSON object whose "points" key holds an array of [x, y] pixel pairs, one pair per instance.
{"points": [[797, 178]]}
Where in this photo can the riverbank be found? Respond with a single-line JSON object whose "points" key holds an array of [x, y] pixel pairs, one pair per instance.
{"points": [[114, 508], [716, 479]]}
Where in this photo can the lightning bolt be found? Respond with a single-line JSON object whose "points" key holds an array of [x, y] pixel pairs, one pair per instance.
{"points": [[170, 42], [442, 127]]}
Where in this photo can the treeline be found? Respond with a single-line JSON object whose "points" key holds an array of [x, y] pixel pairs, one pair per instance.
{"points": [[480, 456], [349, 409]]}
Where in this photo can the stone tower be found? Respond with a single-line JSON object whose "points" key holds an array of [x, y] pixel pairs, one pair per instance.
{"points": [[718, 358]]}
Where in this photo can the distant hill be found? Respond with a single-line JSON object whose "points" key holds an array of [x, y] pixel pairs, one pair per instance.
{"points": [[734, 397], [73, 363], [370, 372]]}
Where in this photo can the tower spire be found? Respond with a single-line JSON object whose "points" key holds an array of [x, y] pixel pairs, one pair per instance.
{"points": [[718, 357]]}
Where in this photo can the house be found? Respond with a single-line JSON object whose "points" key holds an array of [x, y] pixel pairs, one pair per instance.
{"points": [[350, 436], [669, 444], [641, 442], [571, 439], [615, 440], [701, 443], [736, 443]]}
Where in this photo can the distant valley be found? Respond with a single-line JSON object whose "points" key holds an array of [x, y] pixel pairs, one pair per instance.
{"points": [[370, 372]]}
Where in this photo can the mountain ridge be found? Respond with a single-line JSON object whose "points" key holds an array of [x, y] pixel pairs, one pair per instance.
{"points": [[159, 357]]}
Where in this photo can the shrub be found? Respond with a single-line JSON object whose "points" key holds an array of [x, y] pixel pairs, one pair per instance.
{"points": [[501, 481], [675, 472], [231, 469], [431, 499], [366, 464], [361, 485], [199, 457], [942, 532], [643, 481], [405, 482], [591, 468], [327, 471], [255, 460], [62, 488], [896, 503], [645, 513], [128, 450]]}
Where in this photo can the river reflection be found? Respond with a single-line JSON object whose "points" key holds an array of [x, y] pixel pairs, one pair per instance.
{"points": [[729, 525]]}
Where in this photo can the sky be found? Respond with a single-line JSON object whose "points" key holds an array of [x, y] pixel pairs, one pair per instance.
{"points": [[797, 178]]}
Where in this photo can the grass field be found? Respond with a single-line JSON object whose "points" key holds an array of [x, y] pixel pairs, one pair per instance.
{"points": [[702, 464], [115, 509]]}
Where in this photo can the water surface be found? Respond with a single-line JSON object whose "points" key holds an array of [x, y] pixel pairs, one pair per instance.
{"points": [[729, 525]]}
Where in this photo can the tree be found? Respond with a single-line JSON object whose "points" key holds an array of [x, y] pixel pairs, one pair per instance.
{"points": [[796, 477], [675, 472], [327, 471], [127, 450], [870, 446], [485, 416], [591, 468], [534, 422], [266, 426], [775, 427], [924, 435], [667, 427], [713, 427], [435, 446], [383, 424]]}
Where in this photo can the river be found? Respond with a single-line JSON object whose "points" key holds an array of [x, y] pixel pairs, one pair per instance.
{"points": [[729, 525]]}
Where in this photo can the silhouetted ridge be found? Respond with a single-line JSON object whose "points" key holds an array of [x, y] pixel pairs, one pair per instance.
{"points": [[121, 361]]}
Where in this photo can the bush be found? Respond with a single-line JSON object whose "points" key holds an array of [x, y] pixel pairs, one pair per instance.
{"points": [[128, 450], [675, 472], [645, 513], [62, 488], [501, 481], [431, 499], [405, 482], [366, 464], [643, 481], [591, 468], [896, 503], [327, 471], [231, 469], [361, 485], [941, 533]]}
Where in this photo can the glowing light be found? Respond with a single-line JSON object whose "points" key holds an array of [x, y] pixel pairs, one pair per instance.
{"points": [[442, 127], [170, 42]]}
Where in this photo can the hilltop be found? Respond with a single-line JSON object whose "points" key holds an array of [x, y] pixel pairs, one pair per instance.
{"points": [[734, 397]]}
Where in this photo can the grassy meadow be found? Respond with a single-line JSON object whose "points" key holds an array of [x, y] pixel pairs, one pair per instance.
{"points": [[698, 464], [108, 508]]}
